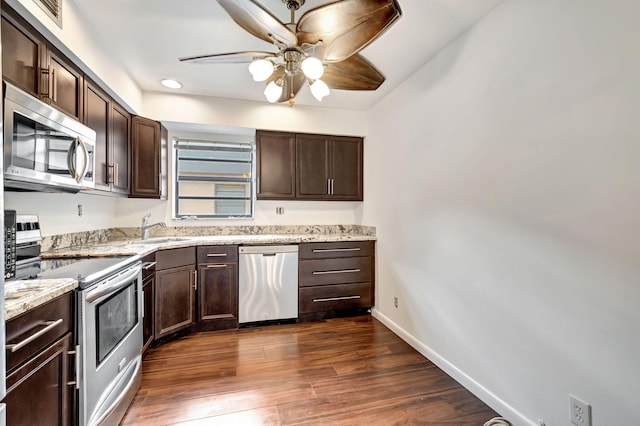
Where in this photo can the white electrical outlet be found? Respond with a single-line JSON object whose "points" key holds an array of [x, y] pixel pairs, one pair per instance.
{"points": [[580, 412], [395, 301]]}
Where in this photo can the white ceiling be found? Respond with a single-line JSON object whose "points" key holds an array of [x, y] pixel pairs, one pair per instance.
{"points": [[148, 36]]}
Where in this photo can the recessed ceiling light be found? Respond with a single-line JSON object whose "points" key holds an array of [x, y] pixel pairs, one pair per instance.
{"points": [[171, 84]]}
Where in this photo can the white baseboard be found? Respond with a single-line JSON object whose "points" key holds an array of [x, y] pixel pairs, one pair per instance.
{"points": [[493, 401]]}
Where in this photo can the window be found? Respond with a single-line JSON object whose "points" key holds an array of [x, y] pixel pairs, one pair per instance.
{"points": [[213, 179]]}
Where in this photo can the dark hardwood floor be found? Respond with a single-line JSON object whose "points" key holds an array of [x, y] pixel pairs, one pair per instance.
{"points": [[350, 371]]}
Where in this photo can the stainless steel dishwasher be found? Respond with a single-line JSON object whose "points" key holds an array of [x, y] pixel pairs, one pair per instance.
{"points": [[268, 283]]}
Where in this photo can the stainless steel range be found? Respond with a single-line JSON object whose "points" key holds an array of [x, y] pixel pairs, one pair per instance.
{"points": [[109, 328]]}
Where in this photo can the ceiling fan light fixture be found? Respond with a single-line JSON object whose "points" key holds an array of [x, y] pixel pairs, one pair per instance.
{"points": [[312, 68], [319, 90], [261, 69], [273, 91]]}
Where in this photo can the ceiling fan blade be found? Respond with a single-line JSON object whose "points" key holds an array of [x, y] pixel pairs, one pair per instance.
{"points": [[345, 27], [354, 73], [259, 22], [228, 58], [292, 84]]}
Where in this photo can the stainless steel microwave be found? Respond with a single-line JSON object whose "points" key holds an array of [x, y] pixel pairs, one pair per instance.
{"points": [[44, 149]]}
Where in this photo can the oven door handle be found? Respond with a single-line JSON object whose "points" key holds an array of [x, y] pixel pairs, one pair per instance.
{"points": [[110, 288]]}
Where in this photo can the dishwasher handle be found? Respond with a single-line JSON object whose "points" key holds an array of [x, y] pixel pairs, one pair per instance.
{"points": [[267, 250]]}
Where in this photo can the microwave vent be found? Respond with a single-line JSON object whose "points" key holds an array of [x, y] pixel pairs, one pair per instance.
{"points": [[53, 8]]}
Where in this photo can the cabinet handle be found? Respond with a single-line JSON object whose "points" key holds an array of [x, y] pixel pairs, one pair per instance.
{"points": [[50, 325], [335, 299], [195, 280], [342, 271], [148, 265], [115, 174], [54, 91], [45, 95], [217, 265], [328, 186], [258, 185], [331, 186], [76, 353], [217, 255], [109, 173], [335, 250]]}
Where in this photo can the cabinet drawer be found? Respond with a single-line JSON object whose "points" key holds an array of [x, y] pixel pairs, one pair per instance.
{"points": [[37, 328], [217, 254], [334, 271], [335, 249], [172, 258], [335, 297]]}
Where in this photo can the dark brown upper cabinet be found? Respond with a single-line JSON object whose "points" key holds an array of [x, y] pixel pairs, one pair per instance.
{"points": [[302, 166], [111, 123], [35, 66], [63, 83], [328, 167], [120, 157], [97, 115], [21, 55], [275, 165], [148, 159]]}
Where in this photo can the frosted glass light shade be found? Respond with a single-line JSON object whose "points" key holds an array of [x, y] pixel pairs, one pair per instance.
{"points": [[261, 69], [319, 90], [273, 92], [312, 68]]}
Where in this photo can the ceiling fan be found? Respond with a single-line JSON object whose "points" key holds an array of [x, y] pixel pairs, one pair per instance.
{"points": [[323, 43]]}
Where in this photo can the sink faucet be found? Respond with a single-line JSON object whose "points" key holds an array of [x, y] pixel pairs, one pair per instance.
{"points": [[146, 226]]}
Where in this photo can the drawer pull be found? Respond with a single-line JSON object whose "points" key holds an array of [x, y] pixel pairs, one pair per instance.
{"points": [[217, 254], [50, 325], [148, 265], [220, 266], [76, 353], [335, 299], [342, 271], [335, 250]]}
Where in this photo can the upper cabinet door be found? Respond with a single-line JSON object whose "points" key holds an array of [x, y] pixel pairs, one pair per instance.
{"points": [[21, 56], [275, 165], [146, 155], [64, 84], [346, 168], [97, 106], [312, 167], [119, 167]]}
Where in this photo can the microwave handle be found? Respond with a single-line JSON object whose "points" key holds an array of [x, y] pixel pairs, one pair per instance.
{"points": [[85, 168], [71, 157]]}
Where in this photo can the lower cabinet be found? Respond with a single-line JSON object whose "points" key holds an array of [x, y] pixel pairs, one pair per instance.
{"points": [[335, 278], [175, 285], [40, 373], [217, 292], [148, 290]]}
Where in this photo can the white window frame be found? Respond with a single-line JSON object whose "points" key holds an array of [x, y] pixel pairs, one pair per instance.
{"points": [[212, 144]]}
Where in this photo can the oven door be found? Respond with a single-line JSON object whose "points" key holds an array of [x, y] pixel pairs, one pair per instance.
{"points": [[110, 337]]}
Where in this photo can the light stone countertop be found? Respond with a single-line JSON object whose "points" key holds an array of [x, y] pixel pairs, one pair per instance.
{"points": [[23, 295], [125, 247]]}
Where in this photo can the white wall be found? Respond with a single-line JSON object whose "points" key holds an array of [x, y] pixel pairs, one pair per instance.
{"points": [[83, 46], [512, 159]]}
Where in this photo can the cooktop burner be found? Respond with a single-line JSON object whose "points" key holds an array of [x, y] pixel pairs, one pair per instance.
{"points": [[86, 270]]}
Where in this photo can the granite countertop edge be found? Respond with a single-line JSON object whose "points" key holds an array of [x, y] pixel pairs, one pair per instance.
{"points": [[23, 295], [142, 248]]}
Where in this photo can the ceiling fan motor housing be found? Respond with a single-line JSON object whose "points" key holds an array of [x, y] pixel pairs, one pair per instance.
{"points": [[293, 4]]}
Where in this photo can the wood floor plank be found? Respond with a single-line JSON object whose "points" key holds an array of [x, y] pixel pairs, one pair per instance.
{"points": [[349, 371]]}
